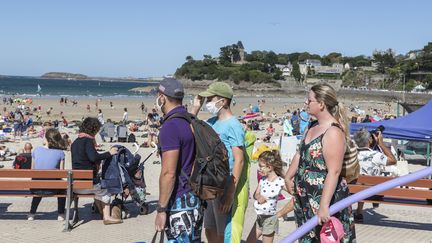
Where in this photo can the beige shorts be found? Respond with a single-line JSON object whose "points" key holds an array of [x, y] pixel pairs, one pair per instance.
{"points": [[268, 224], [213, 218]]}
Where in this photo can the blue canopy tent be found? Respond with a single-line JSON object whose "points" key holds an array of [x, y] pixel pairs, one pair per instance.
{"points": [[416, 126]]}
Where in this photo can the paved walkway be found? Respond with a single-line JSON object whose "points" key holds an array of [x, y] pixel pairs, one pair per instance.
{"points": [[387, 223]]}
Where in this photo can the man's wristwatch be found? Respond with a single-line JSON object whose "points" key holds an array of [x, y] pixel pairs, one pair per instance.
{"points": [[161, 209]]}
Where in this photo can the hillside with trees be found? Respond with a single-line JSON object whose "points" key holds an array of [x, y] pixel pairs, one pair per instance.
{"points": [[384, 69]]}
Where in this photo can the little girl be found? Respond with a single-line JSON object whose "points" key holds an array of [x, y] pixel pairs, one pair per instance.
{"points": [[267, 194]]}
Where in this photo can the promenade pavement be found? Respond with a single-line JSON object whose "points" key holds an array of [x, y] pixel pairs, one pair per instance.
{"points": [[388, 223]]}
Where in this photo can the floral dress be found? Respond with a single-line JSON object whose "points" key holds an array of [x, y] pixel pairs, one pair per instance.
{"points": [[309, 184]]}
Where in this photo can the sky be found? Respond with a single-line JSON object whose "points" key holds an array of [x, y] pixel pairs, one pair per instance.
{"points": [[152, 38]]}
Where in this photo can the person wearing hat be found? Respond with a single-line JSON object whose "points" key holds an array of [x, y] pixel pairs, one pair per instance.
{"points": [[224, 217], [179, 210]]}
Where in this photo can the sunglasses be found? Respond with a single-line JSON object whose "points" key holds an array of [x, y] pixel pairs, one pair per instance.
{"points": [[308, 101]]}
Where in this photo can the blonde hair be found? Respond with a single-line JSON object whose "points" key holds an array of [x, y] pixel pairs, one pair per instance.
{"points": [[273, 158], [326, 94]]}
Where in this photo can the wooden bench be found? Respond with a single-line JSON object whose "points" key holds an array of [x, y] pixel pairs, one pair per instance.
{"points": [[417, 193], [17, 183]]}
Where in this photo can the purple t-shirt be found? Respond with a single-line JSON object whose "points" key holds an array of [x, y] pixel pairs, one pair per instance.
{"points": [[176, 134], [47, 159]]}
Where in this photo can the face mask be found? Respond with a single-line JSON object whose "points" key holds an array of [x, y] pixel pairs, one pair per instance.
{"points": [[159, 106], [211, 107]]}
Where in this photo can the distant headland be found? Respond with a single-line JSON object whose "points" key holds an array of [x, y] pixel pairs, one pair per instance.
{"points": [[63, 75], [78, 76]]}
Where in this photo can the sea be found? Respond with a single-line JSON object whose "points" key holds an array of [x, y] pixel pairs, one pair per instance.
{"points": [[35, 87]]}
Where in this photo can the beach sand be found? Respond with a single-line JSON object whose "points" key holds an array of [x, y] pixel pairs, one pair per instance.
{"points": [[71, 113]]}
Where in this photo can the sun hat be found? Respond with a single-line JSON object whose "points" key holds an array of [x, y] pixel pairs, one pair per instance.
{"points": [[332, 231], [220, 89], [261, 149], [171, 87]]}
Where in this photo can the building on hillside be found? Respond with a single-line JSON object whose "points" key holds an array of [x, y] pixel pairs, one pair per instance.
{"points": [[312, 62], [335, 68], [240, 59], [286, 69], [347, 66], [307, 68], [414, 54]]}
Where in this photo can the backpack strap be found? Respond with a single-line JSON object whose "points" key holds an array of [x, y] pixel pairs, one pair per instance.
{"points": [[161, 239]]}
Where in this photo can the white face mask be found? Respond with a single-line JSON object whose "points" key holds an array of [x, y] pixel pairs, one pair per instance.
{"points": [[211, 107], [159, 106]]}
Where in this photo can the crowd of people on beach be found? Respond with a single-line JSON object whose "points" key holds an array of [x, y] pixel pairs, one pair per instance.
{"points": [[312, 181]]}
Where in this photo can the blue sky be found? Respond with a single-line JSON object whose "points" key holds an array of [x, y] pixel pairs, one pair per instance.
{"points": [[152, 38]]}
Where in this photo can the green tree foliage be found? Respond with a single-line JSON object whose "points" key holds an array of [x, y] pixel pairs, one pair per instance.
{"points": [[358, 61], [426, 58], [331, 58], [428, 81], [410, 85], [296, 71], [384, 59]]}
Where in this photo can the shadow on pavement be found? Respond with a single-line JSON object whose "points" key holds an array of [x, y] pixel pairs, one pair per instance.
{"points": [[373, 218]]}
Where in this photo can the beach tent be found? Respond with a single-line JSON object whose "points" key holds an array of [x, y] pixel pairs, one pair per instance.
{"points": [[419, 88], [414, 126]]}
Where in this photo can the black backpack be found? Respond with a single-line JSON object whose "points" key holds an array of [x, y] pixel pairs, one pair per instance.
{"points": [[210, 170], [131, 138]]}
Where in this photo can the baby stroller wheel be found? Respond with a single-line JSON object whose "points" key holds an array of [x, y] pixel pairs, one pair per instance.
{"points": [[144, 209]]}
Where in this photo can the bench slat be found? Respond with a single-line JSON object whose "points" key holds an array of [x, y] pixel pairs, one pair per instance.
{"points": [[396, 192], [400, 201], [43, 184], [373, 180], [43, 174], [27, 193]]}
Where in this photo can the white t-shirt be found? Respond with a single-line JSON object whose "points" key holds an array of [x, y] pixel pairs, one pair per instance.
{"points": [[371, 162], [125, 116], [101, 119], [270, 190]]}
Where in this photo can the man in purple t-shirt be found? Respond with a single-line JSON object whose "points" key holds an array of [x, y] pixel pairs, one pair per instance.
{"points": [[179, 210]]}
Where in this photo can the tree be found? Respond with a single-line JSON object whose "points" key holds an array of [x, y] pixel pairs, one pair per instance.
{"points": [[331, 58], [277, 74], [385, 59], [189, 58], [271, 58], [208, 60], [225, 55], [296, 72], [426, 58]]}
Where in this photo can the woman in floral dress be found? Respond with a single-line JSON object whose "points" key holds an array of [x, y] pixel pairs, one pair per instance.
{"points": [[314, 174]]}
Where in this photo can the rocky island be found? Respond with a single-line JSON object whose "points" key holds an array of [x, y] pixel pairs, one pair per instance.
{"points": [[63, 75]]}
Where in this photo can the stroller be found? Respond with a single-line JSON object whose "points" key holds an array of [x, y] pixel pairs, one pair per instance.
{"points": [[123, 176]]}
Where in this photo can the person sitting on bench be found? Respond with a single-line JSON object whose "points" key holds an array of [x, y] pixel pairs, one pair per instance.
{"points": [[85, 157], [49, 157], [372, 162]]}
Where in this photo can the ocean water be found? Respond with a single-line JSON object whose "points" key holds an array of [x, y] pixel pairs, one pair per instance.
{"points": [[27, 87]]}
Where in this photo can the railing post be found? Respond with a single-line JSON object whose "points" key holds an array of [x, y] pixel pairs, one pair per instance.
{"points": [[68, 200]]}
